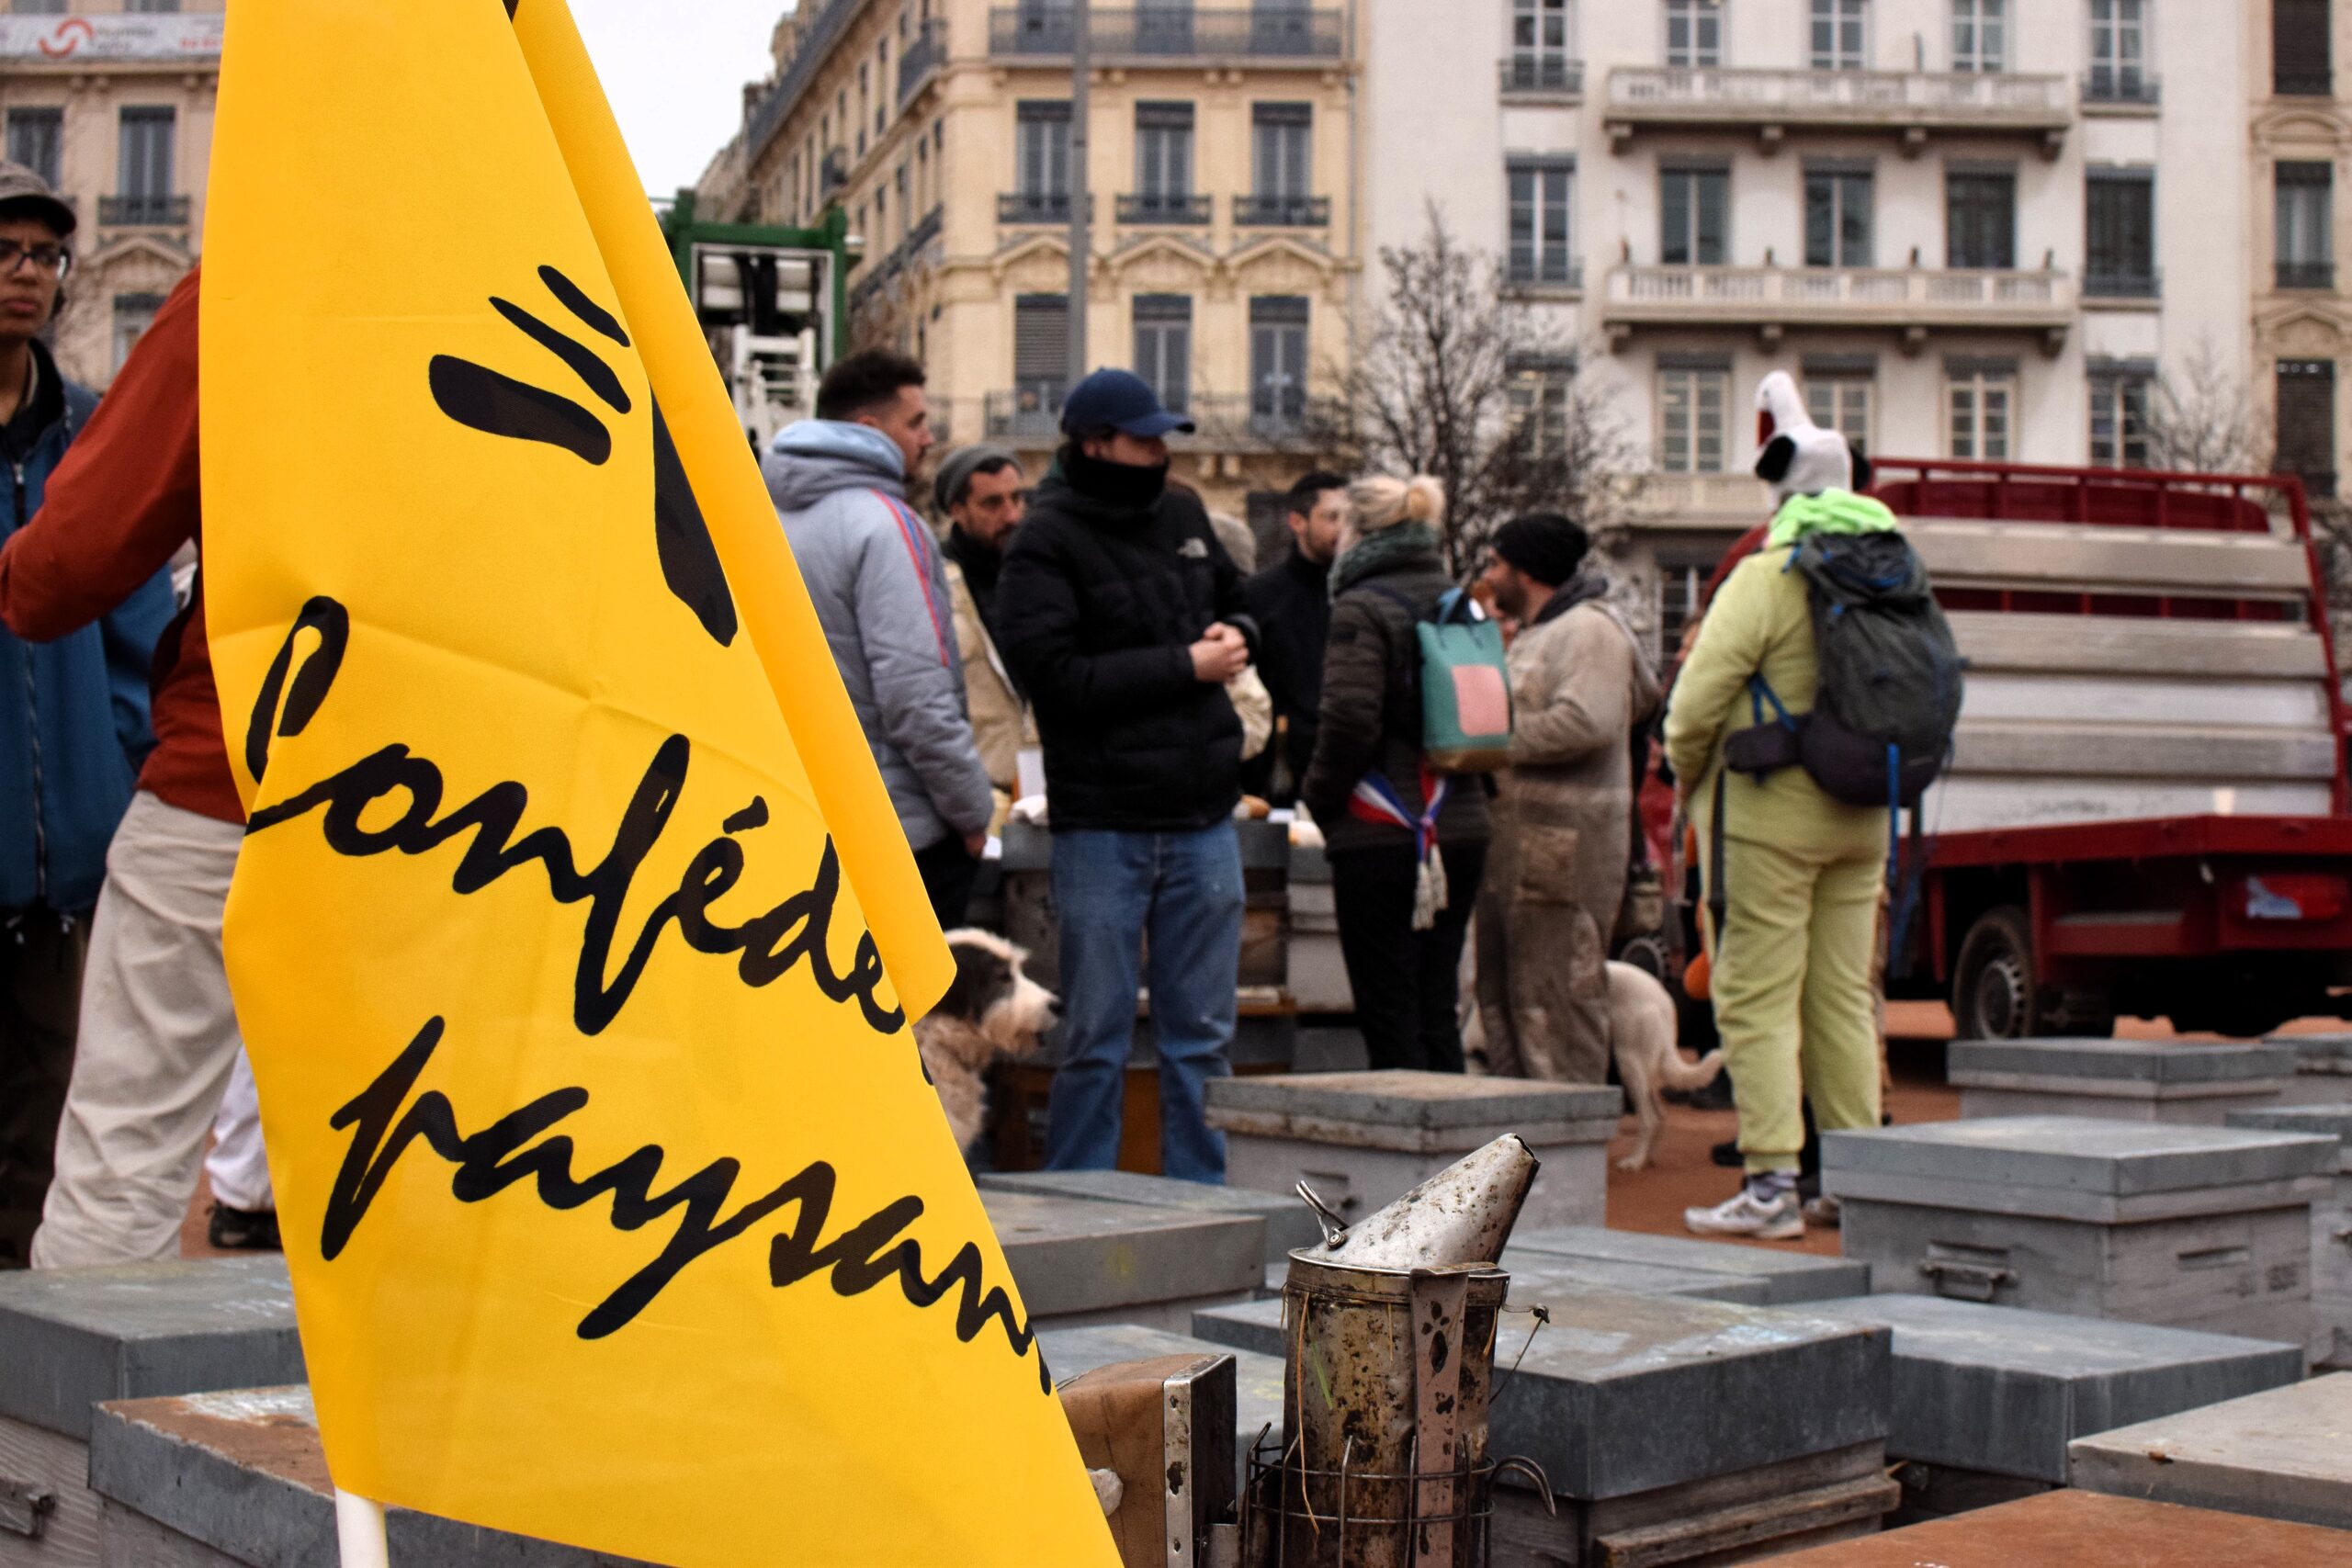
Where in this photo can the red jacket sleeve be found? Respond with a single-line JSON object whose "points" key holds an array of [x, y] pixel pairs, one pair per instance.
{"points": [[126, 496]]}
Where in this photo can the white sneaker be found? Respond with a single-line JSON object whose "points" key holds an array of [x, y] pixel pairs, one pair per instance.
{"points": [[1745, 1215]]}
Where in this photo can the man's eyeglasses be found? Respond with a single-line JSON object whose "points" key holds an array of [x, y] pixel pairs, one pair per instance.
{"points": [[49, 260]]}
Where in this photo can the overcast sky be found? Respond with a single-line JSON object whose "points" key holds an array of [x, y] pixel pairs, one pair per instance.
{"points": [[675, 74]]}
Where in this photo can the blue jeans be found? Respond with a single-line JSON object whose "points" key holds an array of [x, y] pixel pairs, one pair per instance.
{"points": [[1112, 890]]}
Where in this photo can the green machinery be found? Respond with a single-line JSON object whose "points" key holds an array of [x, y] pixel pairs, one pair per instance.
{"points": [[773, 303]]}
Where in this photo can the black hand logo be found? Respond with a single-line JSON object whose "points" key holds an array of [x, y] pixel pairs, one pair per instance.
{"points": [[482, 399]]}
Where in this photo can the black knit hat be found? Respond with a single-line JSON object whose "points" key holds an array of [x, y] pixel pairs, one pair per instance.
{"points": [[1544, 545]]}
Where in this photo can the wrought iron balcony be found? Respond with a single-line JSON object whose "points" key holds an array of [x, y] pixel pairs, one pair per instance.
{"points": [[2306, 275], [925, 54], [1030, 412], [834, 173], [1551, 269], [1542, 76], [1159, 207], [2127, 85], [2099, 285], [1911, 103], [1281, 211], [2303, 80], [1036, 207], [1915, 302], [142, 211], [1168, 32]]}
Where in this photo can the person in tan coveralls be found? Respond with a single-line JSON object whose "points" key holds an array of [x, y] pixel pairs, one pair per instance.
{"points": [[1563, 818]]}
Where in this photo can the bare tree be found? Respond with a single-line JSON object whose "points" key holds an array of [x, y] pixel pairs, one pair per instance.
{"points": [[1458, 379], [2204, 420]]}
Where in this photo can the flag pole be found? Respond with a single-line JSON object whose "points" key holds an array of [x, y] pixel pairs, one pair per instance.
{"points": [[359, 1532]]}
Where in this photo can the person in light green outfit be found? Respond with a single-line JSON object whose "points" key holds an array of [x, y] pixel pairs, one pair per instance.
{"points": [[1802, 872]]}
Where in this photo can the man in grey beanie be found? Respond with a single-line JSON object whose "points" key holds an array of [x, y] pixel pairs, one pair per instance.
{"points": [[983, 494]]}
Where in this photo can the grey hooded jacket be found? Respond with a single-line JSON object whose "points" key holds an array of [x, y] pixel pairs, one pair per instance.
{"points": [[876, 578]]}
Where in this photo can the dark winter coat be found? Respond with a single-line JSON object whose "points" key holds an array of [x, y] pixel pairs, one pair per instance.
{"points": [[73, 714], [1096, 614], [1370, 717], [1291, 602]]}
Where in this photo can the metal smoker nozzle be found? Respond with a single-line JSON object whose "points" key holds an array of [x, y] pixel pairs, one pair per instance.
{"points": [[1462, 1214]]}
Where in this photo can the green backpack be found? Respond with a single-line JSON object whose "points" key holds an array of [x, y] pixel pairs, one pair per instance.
{"points": [[1465, 687]]}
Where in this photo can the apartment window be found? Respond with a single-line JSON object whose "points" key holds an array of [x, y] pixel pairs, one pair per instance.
{"points": [[1981, 219], [133, 314], [2120, 416], [1980, 35], [1840, 30], [1694, 204], [2120, 231], [1278, 362], [37, 140], [1040, 359], [2307, 424], [2119, 51], [2305, 220], [1694, 32], [1981, 401], [1541, 190], [1041, 144], [1839, 395], [1539, 390], [144, 167], [865, 94], [2301, 57], [1164, 347], [38, 7], [1539, 44], [1836, 215], [1163, 159], [1692, 399], [153, 5]]}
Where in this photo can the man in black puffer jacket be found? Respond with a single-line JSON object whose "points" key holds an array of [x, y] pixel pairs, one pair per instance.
{"points": [[1121, 616]]}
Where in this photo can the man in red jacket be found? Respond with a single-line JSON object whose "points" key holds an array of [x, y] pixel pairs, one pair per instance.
{"points": [[158, 1036]]}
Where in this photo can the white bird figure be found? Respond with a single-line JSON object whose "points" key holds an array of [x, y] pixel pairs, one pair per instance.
{"points": [[1797, 456]]}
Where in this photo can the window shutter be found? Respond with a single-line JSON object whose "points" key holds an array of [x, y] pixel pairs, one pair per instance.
{"points": [[2301, 59]]}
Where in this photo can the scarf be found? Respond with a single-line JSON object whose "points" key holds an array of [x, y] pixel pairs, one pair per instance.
{"points": [[1114, 484], [1581, 589], [1831, 511], [1377, 553]]}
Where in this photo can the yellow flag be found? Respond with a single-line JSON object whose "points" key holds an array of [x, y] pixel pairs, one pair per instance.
{"points": [[573, 938]]}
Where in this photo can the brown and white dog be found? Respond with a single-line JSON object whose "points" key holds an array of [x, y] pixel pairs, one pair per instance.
{"points": [[1642, 1031], [990, 1011]]}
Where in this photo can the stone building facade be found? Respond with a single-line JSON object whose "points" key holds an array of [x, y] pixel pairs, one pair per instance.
{"points": [[2300, 151], [111, 101]]}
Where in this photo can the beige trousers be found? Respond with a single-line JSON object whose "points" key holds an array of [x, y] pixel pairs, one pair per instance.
{"points": [[157, 1041]]}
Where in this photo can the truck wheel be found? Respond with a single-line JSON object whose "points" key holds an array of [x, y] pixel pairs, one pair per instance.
{"points": [[1995, 995]]}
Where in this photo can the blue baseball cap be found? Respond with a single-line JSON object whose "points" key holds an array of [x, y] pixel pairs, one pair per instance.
{"points": [[1122, 400]]}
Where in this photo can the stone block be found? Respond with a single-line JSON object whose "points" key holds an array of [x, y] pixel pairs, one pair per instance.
{"points": [[2132, 1080], [2284, 1454], [242, 1475], [2195, 1227], [2330, 1222], [1365, 1139], [2322, 1069], [71, 1338], [2078, 1529], [1258, 1379], [1786, 1277], [1288, 1221], [2002, 1391], [1078, 1262], [1622, 1395]]}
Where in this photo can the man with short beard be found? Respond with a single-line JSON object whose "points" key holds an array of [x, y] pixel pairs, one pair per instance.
{"points": [[981, 492], [1563, 818], [1121, 618], [1290, 601]]}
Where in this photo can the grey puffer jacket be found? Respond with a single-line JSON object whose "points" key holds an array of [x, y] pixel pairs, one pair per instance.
{"points": [[879, 585]]}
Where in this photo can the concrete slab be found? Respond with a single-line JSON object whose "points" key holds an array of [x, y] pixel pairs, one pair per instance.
{"points": [[2069, 1155], [2118, 1067], [1620, 1394], [2285, 1454], [2003, 1391], [2076, 1529], [1075, 1260], [1787, 1277], [242, 1475], [2322, 1069], [1288, 1221], [1258, 1379], [70, 1339]]}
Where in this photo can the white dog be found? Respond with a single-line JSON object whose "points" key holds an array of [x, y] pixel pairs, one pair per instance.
{"points": [[991, 1010], [1642, 1031]]}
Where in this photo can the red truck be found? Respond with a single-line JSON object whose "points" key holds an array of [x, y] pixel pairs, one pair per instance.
{"points": [[2148, 811]]}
